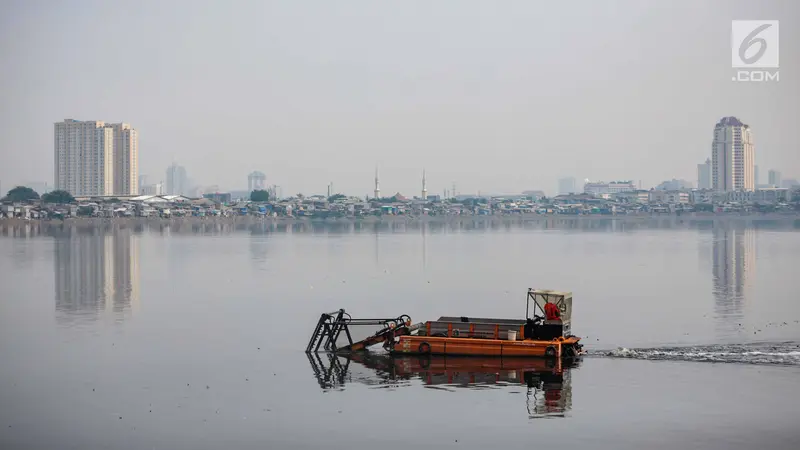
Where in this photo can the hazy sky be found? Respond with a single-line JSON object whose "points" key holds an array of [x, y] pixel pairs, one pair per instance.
{"points": [[496, 96]]}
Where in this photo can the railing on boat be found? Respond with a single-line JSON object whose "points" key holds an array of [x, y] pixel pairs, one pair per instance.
{"points": [[472, 327], [337, 324]]}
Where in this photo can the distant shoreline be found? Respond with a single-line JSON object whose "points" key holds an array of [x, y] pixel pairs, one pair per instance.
{"points": [[784, 219]]}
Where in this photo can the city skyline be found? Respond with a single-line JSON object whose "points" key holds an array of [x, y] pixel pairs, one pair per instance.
{"points": [[510, 109], [178, 183]]}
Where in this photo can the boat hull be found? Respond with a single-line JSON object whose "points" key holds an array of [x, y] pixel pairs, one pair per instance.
{"points": [[435, 345]]}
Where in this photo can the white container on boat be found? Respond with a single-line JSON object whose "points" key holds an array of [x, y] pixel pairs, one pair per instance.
{"points": [[512, 335]]}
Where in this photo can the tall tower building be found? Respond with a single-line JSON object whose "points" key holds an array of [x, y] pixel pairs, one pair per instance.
{"points": [[84, 158], [377, 185], [256, 181], [566, 186], [176, 180], [424, 187], [732, 156], [774, 178], [126, 159], [704, 175]]}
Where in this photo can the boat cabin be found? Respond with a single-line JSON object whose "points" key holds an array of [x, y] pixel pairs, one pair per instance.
{"points": [[536, 325], [541, 327]]}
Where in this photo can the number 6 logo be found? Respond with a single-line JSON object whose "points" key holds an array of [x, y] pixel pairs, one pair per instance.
{"points": [[754, 43], [749, 41]]}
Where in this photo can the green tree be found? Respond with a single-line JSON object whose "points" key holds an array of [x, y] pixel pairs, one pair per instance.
{"points": [[60, 197], [335, 197], [259, 195], [21, 194]]}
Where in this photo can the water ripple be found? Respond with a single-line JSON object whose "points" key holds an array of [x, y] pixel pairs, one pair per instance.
{"points": [[764, 353]]}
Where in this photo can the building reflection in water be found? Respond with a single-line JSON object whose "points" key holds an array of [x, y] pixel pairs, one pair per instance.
{"points": [[733, 259], [259, 244], [96, 272], [548, 381]]}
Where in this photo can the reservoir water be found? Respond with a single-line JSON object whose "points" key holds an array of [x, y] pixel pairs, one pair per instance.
{"points": [[172, 337]]}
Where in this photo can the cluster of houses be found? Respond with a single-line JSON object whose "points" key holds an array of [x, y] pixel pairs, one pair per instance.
{"points": [[318, 206], [705, 200]]}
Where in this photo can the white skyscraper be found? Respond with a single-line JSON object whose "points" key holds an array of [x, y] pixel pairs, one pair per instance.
{"points": [[95, 158], [176, 180], [774, 178], [256, 181], [84, 158], [377, 185], [126, 159], [566, 186], [142, 182], [732, 156], [424, 186], [704, 175]]}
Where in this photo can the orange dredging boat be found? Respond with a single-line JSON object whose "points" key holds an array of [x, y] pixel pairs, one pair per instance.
{"points": [[546, 335]]}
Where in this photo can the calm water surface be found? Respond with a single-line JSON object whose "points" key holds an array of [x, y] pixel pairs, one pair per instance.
{"points": [[155, 337]]}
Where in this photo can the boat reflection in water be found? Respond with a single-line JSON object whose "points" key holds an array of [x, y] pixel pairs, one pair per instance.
{"points": [[549, 390]]}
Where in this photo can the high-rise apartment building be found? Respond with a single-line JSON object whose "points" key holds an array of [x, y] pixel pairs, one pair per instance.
{"points": [[126, 157], [774, 178], [704, 175], [566, 186], [176, 180], [732, 156], [93, 158], [256, 181]]}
